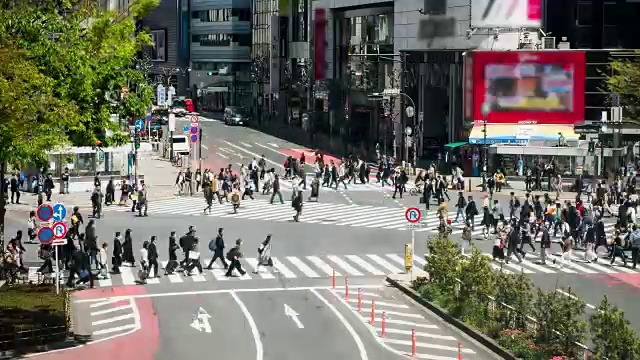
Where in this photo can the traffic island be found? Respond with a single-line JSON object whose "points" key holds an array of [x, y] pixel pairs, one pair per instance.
{"points": [[404, 283], [33, 318]]}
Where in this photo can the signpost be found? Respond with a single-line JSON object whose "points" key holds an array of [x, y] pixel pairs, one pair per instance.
{"points": [[45, 235], [413, 216], [59, 212], [139, 124], [44, 212], [59, 231]]}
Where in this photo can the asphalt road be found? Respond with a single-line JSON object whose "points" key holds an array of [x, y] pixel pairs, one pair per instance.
{"points": [[314, 323]]}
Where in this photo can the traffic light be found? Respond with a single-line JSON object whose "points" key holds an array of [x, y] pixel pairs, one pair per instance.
{"points": [[136, 140], [592, 147]]}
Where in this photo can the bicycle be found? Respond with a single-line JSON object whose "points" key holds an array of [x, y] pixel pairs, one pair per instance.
{"points": [[415, 191]]}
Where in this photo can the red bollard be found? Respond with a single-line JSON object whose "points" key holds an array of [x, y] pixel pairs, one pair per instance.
{"points": [[333, 279], [459, 350], [359, 300], [346, 288], [384, 318], [413, 342], [373, 312]]}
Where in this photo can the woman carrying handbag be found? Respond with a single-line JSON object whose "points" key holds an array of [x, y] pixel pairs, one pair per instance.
{"points": [[264, 255]]}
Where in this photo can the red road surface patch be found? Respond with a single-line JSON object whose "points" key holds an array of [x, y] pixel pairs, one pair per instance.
{"points": [[140, 345], [619, 279], [309, 154]]}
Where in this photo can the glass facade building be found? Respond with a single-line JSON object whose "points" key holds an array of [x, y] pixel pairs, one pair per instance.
{"points": [[220, 46]]}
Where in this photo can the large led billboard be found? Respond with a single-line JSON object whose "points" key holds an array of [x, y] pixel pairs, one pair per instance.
{"points": [[542, 87], [506, 14]]}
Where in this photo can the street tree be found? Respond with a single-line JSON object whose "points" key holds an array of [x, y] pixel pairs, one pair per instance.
{"points": [[560, 323], [516, 291], [476, 285], [623, 79], [443, 265], [34, 119], [612, 334], [89, 53]]}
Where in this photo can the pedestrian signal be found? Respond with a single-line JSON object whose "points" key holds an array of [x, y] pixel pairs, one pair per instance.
{"points": [[592, 147]]}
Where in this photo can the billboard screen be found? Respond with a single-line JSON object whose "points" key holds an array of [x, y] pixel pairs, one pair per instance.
{"points": [[529, 86], [506, 14]]}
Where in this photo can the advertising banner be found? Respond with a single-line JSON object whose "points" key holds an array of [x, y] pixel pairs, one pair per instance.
{"points": [[506, 14], [534, 87], [274, 67]]}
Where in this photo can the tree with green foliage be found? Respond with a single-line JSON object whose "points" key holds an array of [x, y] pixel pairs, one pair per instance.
{"points": [[476, 285], [34, 120], [90, 54], [624, 80], [560, 323], [515, 290], [443, 265], [63, 67], [612, 334]]}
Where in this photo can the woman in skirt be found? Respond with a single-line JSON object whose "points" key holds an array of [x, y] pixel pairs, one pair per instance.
{"points": [[264, 255], [499, 241]]}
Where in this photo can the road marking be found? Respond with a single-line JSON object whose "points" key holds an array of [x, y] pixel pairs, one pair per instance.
{"points": [[344, 265], [174, 278], [419, 333], [274, 145], [288, 311], [204, 146], [114, 329], [345, 323], [279, 265], [252, 325], [253, 263], [245, 144], [365, 265], [254, 154], [322, 265], [270, 149], [103, 303], [382, 303], [109, 310], [113, 319], [127, 276], [428, 345], [592, 307], [306, 270], [384, 263], [222, 291]]}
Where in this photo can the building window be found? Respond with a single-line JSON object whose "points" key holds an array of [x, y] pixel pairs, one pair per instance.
{"points": [[159, 47], [216, 15], [609, 14], [241, 14], [212, 39], [585, 13]]}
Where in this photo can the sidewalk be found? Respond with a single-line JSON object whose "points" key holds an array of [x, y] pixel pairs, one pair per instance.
{"points": [[158, 174]]}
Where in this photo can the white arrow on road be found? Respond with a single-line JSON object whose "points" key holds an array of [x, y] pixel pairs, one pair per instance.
{"points": [[201, 321], [288, 311]]}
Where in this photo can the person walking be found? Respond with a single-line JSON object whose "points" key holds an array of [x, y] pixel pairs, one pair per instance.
{"points": [[127, 249], [116, 258], [217, 247], [234, 255], [172, 264], [264, 255], [152, 257]]}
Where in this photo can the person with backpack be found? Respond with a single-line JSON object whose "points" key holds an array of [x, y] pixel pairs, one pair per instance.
{"points": [[234, 255], [172, 264], [217, 248]]}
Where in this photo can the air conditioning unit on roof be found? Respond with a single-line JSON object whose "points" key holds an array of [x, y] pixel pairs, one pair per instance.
{"points": [[549, 42]]}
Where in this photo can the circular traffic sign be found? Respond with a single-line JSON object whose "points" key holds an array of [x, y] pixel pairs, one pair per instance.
{"points": [[59, 230], [194, 130], [44, 212], [194, 138], [194, 118], [45, 235], [412, 215]]}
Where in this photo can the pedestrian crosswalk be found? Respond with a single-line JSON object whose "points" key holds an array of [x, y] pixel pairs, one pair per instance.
{"points": [[362, 265], [356, 187]]}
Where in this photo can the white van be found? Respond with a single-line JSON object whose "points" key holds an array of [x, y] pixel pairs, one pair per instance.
{"points": [[181, 144]]}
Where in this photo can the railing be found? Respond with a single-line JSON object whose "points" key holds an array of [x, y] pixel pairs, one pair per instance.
{"points": [[532, 324], [20, 338]]}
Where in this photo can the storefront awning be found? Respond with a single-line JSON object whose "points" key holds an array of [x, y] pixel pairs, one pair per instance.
{"points": [[456, 144], [520, 133]]}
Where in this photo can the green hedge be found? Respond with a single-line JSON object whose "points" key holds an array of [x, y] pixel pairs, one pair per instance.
{"points": [[530, 323]]}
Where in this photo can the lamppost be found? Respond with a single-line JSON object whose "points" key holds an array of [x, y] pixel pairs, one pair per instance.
{"points": [[259, 75], [486, 109]]}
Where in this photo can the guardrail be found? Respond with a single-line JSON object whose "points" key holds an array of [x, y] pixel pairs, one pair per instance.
{"points": [[532, 324]]}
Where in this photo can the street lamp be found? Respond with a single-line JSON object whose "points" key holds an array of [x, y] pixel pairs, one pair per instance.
{"points": [[486, 109]]}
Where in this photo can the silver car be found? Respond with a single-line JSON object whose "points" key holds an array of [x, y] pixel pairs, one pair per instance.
{"points": [[236, 115]]}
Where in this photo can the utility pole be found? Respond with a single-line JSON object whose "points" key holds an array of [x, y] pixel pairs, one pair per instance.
{"points": [[136, 145], [200, 149], [311, 72]]}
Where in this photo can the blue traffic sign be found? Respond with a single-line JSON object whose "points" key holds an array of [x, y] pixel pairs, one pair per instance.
{"points": [[139, 124], [59, 212], [186, 128], [149, 115], [194, 138], [194, 130], [45, 235], [44, 212]]}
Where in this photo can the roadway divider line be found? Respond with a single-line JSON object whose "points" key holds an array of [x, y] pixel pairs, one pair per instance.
{"points": [[562, 292]]}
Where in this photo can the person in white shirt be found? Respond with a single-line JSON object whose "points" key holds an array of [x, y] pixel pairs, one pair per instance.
{"points": [[104, 262], [143, 273]]}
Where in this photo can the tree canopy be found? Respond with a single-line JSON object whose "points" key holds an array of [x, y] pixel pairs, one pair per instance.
{"points": [[624, 80], [88, 56]]}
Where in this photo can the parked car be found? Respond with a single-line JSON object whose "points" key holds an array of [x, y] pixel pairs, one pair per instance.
{"points": [[236, 115]]}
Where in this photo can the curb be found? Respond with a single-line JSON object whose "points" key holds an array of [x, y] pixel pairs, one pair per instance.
{"points": [[480, 338]]}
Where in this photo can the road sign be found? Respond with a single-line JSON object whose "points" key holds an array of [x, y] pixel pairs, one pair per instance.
{"points": [[57, 242], [194, 138], [139, 124], [412, 215], [44, 212], [45, 235], [194, 118], [194, 130], [59, 212], [185, 128], [59, 230], [194, 125]]}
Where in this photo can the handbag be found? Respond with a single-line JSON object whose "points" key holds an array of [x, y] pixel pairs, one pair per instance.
{"points": [[194, 255]]}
